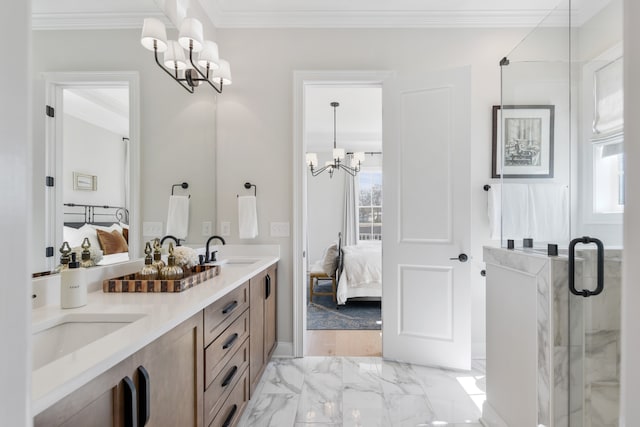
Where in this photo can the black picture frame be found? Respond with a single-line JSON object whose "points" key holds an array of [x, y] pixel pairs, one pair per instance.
{"points": [[528, 144]]}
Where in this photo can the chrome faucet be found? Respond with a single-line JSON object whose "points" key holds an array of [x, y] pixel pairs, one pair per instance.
{"points": [[175, 239], [213, 255]]}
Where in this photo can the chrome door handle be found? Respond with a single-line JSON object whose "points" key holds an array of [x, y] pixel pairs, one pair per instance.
{"points": [[461, 258]]}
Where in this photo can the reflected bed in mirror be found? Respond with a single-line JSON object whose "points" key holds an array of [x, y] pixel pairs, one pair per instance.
{"points": [[106, 228]]}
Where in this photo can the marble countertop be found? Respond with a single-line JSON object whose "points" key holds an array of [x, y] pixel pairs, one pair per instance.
{"points": [[162, 312]]}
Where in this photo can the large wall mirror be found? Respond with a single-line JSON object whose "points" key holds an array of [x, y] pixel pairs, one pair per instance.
{"points": [[92, 151]]}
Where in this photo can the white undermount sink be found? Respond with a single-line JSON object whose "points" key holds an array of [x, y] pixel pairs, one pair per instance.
{"points": [[67, 333], [237, 262]]}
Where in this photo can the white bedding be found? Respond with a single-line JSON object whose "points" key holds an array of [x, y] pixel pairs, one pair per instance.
{"points": [[362, 272]]}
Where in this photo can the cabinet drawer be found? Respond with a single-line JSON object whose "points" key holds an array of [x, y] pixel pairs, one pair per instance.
{"points": [[223, 348], [217, 391], [221, 313], [231, 411]]}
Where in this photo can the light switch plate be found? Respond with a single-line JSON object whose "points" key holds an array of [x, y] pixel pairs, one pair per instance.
{"points": [[206, 228], [279, 229], [225, 228], [152, 229]]}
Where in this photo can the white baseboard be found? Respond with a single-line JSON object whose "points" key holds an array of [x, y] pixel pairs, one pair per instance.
{"points": [[478, 350], [490, 417], [283, 349]]}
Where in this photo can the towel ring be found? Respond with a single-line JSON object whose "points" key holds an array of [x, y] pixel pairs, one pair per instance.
{"points": [[184, 185], [248, 185]]}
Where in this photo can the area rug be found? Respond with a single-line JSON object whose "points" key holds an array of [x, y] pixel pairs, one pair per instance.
{"points": [[322, 313]]}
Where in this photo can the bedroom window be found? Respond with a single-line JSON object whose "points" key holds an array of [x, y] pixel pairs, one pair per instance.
{"points": [[370, 204]]}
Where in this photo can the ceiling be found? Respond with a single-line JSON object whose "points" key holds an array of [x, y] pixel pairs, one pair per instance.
{"points": [[107, 107], [48, 14], [358, 118]]}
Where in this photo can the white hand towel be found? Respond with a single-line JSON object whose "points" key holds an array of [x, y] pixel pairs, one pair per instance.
{"points": [[178, 216], [494, 211], [549, 205], [247, 217], [515, 211]]}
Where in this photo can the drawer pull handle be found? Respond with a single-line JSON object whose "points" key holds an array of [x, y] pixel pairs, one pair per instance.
{"points": [[229, 377], [130, 409], [227, 422], [229, 343], [230, 307]]}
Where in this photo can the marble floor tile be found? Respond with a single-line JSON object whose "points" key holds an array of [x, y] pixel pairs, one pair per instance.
{"points": [[270, 410], [363, 391]]}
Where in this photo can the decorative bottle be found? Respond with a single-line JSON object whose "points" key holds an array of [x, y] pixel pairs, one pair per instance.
{"points": [[86, 261], [73, 285], [157, 256], [65, 250], [171, 271], [149, 271]]}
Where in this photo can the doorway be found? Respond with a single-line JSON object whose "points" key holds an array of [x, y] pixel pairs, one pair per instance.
{"points": [[307, 241], [344, 219]]}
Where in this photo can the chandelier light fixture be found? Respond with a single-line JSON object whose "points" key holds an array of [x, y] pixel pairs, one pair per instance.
{"points": [[338, 156], [203, 63]]}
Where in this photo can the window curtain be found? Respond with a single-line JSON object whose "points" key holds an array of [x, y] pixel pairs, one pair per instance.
{"points": [[608, 124], [350, 222]]}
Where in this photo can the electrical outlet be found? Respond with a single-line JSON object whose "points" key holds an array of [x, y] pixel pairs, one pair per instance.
{"points": [[279, 229], [225, 228], [206, 228], [152, 229]]}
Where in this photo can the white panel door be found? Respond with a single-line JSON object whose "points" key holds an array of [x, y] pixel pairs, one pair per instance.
{"points": [[426, 295]]}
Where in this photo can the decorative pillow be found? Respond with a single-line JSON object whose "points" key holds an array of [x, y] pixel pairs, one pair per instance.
{"points": [[125, 234], [72, 235], [330, 260], [112, 242]]}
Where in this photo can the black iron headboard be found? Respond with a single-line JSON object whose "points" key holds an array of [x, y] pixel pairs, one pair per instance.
{"points": [[340, 256], [80, 215]]}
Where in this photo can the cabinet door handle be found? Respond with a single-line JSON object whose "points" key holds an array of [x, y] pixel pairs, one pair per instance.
{"points": [[229, 343], [130, 409], [229, 307], [229, 377], [267, 290], [144, 398], [227, 422]]}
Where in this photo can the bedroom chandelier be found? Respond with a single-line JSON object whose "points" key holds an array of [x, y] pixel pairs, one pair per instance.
{"points": [[338, 156], [203, 64]]}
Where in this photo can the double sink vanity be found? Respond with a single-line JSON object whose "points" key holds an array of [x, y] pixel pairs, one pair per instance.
{"points": [[134, 359]]}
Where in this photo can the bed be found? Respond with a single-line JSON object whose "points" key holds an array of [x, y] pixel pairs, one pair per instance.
{"points": [[105, 226], [359, 271]]}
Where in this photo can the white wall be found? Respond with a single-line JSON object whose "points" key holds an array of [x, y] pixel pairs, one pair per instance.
{"points": [[93, 150], [15, 217], [177, 129], [255, 116], [630, 375], [325, 210]]}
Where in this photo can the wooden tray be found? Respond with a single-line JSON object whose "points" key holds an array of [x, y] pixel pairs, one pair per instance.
{"points": [[129, 283]]}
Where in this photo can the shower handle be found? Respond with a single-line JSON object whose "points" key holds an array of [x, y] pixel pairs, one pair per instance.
{"points": [[572, 267]]}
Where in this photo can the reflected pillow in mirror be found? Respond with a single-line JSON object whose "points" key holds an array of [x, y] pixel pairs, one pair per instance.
{"points": [[112, 242], [89, 231], [72, 235], [330, 260]]}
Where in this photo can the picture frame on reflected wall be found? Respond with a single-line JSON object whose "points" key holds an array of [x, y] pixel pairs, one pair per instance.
{"points": [[526, 151], [85, 182]]}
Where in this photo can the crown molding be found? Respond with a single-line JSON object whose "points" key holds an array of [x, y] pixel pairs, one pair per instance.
{"points": [[94, 21], [387, 19]]}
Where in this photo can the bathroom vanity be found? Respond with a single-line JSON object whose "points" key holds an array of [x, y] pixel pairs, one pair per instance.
{"points": [[191, 358]]}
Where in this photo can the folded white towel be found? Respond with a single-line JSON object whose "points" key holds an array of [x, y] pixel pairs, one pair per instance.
{"points": [[178, 216], [516, 222], [247, 217], [494, 210]]}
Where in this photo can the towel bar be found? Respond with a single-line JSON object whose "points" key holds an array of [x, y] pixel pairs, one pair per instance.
{"points": [[184, 185]]}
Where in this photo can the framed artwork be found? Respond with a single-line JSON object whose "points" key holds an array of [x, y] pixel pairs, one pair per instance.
{"points": [[522, 141], [85, 182]]}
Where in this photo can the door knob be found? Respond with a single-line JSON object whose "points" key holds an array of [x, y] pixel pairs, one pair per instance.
{"points": [[461, 258]]}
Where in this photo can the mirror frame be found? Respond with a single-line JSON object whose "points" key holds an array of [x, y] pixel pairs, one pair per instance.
{"points": [[55, 82]]}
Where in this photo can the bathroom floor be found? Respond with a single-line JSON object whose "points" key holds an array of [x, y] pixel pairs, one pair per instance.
{"points": [[364, 391]]}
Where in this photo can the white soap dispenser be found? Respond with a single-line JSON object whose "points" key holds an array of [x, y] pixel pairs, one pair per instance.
{"points": [[73, 285]]}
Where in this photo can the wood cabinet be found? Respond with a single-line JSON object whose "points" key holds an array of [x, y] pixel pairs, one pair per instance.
{"points": [[200, 373], [159, 385], [262, 292]]}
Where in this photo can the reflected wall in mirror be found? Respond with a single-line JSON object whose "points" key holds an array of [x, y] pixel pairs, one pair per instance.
{"points": [[92, 154]]}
